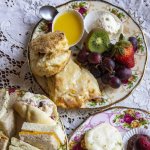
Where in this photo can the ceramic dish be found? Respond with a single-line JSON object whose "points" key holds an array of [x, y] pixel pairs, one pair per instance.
{"points": [[16, 94], [110, 96], [119, 117], [74, 20], [132, 132]]}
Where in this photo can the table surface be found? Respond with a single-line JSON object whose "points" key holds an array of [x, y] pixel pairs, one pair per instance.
{"points": [[17, 20]]}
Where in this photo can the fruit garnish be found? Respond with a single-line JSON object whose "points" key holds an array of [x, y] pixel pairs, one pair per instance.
{"points": [[95, 71], [124, 53], [143, 143], [108, 64], [82, 56], [123, 73], [114, 82], [98, 40], [94, 58], [105, 78], [113, 66], [134, 42]]}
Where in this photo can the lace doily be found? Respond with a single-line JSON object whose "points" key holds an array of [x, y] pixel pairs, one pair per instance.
{"points": [[17, 20]]}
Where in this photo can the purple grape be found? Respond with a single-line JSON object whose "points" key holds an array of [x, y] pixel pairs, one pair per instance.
{"points": [[82, 56], [94, 58], [95, 71], [123, 73], [134, 42], [108, 64], [105, 78], [114, 82]]}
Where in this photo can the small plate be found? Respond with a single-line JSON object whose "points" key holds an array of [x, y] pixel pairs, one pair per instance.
{"points": [[110, 96], [119, 117], [14, 95]]}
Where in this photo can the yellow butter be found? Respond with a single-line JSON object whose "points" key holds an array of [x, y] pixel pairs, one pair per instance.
{"points": [[70, 24]]}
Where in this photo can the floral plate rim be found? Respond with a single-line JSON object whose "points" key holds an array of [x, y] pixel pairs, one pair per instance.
{"points": [[102, 111], [144, 40]]}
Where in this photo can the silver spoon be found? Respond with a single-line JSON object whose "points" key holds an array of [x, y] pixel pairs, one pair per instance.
{"points": [[48, 12]]}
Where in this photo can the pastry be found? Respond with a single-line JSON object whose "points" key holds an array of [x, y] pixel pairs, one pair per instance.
{"points": [[32, 113], [35, 108], [49, 53], [49, 43], [73, 86]]}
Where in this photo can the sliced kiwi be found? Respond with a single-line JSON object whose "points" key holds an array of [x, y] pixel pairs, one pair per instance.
{"points": [[97, 40]]}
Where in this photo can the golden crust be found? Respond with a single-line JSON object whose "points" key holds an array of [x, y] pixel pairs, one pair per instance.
{"points": [[49, 43], [73, 86], [50, 64], [49, 54]]}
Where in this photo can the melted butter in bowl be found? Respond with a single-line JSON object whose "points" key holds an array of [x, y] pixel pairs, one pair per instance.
{"points": [[71, 23]]}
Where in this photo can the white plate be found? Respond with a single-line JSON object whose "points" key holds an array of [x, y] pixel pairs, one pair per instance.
{"points": [[110, 96]]}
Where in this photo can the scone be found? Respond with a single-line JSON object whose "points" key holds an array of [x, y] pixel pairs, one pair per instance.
{"points": [[49, 53], [50, 42], [73, 86]]}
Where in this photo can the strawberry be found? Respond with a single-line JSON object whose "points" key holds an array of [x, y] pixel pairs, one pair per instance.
{"points": [[143, 143], [124, 53]]}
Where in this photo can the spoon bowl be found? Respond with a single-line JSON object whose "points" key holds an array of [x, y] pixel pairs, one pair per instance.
{"points": [[48, 12]]}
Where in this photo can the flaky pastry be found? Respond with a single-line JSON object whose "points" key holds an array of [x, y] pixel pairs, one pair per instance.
{"points": [[49, 53], [73, 86]]}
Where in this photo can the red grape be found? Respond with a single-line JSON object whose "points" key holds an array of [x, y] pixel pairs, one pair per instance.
{"points": [[123, 73], [108, 64], [94, 58], [134, 42], [114, 82], [95, 71], [143, 143], [82, 56], [105, 78]]}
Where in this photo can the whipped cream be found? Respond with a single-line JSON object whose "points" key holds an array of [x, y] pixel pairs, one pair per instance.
{"points": [[102, 19], [103, 137], [108, 22]]}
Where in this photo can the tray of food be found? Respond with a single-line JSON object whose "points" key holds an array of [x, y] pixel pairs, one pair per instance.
{"points": [[29, 121], [92, 55], [114, 128]]}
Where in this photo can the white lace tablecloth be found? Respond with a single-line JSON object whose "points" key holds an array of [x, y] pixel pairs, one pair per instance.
{"points": [[17, 20]]}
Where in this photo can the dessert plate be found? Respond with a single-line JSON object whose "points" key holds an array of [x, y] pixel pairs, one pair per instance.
{"points": [[123, 118], [17, 94], [110, 96]]}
